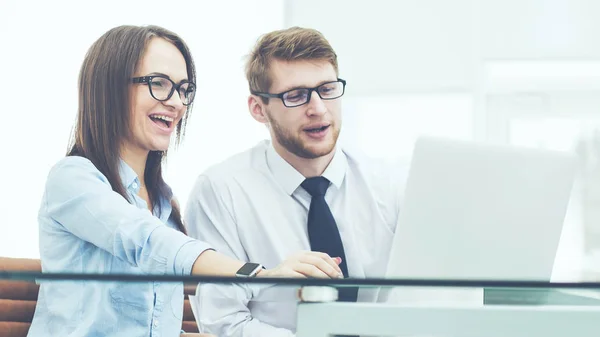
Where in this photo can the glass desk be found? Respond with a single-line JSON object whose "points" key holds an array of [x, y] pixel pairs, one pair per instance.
{"points": [[386, 307]]}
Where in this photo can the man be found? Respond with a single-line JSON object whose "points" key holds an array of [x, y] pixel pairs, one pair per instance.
{"points": [[299, 191]]}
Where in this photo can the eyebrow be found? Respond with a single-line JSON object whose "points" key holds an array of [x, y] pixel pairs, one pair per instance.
{"points": [[167, 76], [304, 87]]}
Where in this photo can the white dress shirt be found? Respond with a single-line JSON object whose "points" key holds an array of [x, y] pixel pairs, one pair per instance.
{"points": [[252, 207]]}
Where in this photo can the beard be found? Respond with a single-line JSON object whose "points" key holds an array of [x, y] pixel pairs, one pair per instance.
{"points": [[294, 144]]}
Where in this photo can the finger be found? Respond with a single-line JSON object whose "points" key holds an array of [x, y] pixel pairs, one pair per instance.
{"points": [[281, 271], [295, 274], [310, 270], [323, 265], [335, 271], [334, 263]]}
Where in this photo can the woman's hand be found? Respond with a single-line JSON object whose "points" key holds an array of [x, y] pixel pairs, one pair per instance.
{"points": [[306, 264]]}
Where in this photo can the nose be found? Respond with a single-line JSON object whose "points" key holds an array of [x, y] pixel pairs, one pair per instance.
{"points": [[316, 106], [174, 101]]}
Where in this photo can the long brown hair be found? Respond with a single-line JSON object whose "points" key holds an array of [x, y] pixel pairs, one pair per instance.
{"points": [[103, 118]]}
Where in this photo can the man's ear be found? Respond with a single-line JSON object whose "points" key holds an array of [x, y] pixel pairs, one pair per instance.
{"points": [[257, 109]]}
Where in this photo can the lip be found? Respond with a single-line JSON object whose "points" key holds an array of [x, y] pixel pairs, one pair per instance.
{"points": [[164, 113], [163, 129], [316, 126], [318, 135]]}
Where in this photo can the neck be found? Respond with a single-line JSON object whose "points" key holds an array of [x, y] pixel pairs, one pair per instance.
{"points": [[308, 167], [136, 159]]}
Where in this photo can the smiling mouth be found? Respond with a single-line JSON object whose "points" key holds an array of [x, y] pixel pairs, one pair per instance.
{"points": [[316, 130], [162, 121]]}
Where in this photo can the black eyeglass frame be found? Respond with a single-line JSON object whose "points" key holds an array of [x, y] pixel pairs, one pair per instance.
{"points": [[148, 79], [310, 91]]}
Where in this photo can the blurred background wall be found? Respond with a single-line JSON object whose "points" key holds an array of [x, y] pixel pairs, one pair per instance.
{"points": [[523, 72]]}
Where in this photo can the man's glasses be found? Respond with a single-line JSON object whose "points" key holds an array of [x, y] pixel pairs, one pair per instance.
{"points": [[300, 96], [162, 88]]}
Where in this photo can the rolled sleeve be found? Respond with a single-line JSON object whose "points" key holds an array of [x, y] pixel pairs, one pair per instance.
{"points": [[187, 255], [176, 249]]}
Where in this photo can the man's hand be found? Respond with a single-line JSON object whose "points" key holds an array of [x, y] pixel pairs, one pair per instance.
{"points": [[306, 264]]}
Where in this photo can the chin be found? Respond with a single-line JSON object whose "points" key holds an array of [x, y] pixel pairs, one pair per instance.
{"points": [[160, 147], [319, 151]]}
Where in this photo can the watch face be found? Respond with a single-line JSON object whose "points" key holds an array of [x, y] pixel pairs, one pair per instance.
{"points": [[248, 269]]}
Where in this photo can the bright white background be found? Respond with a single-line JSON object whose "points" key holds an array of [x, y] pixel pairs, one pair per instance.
{"points": [[525, 72]]}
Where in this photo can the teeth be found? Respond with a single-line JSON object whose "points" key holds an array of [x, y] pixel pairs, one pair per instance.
{"points": [[164, 118]]}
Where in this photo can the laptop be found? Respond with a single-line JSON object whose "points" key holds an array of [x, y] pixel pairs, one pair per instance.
{"points": [[475, 210]]}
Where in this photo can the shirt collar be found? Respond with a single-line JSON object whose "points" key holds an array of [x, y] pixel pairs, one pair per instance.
{"points": [[129, 178], [290, 179], [131, 181], [336, 170]]}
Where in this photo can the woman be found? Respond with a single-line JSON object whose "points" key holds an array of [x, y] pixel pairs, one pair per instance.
{"points": [[106, 207]]}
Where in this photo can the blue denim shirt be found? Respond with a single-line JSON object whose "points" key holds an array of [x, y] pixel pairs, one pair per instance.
{"points": [[86, 227]]}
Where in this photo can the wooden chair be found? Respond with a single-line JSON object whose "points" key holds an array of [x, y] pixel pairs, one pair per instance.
{"points": [[18, 299]]}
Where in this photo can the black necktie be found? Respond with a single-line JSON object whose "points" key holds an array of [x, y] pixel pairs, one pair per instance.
{"points": [[323, 232]]}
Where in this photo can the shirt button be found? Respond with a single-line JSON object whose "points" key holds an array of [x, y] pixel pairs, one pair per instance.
{"points": [[134, 185], [156, 324]]}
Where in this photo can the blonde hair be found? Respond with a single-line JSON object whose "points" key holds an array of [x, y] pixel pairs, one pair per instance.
{"points": [[291, 44]]}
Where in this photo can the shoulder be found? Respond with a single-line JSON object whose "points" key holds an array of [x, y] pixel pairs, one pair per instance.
{"points": [[69, 168], [242, 165], [215, 189], [73, 174]]}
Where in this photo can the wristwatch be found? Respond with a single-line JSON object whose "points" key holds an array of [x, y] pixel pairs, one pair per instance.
{"points": [[249, 270]]}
